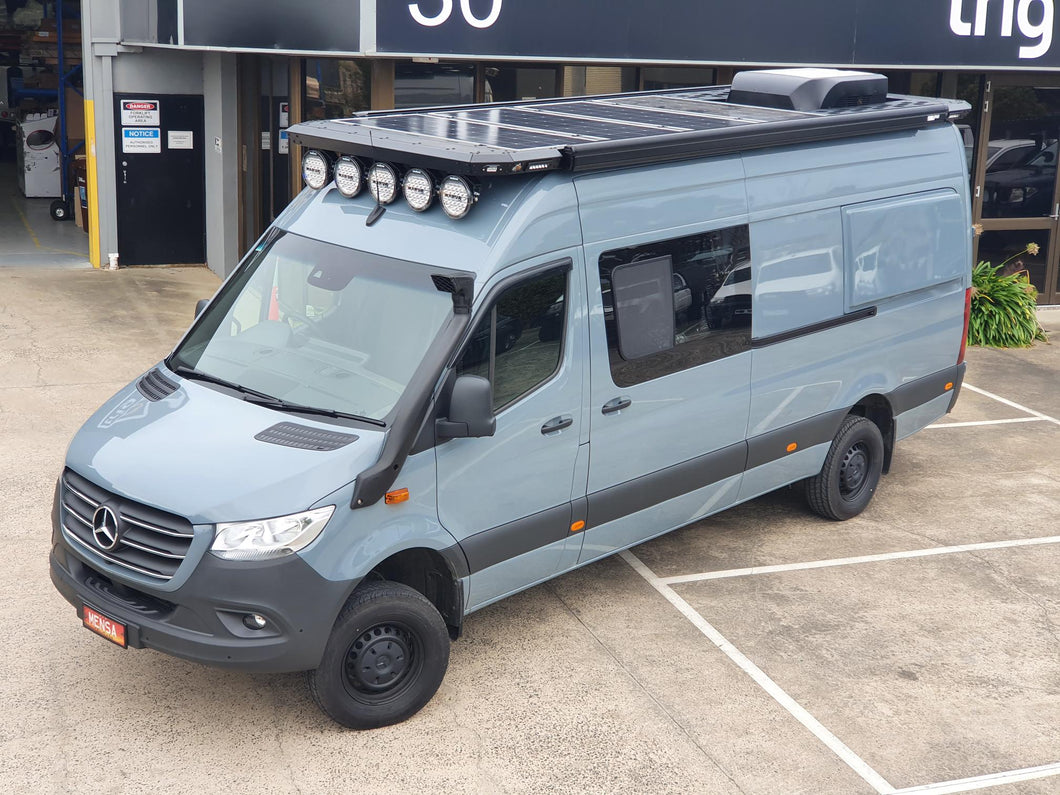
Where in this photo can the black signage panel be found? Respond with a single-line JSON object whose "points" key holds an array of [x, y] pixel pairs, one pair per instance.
{"points": [[308, 26], [965, 33], [678, 30]]}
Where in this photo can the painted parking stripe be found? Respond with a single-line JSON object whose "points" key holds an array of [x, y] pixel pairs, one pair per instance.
{"points": [[986, 422], [1007, 402], [982, 782], [834, 744], [824, 564]]}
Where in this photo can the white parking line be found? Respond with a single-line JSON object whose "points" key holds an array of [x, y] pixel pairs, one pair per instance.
{"points": [[1007, 402], [982, 782], [834, 744], [824, 564], [985, 422]]}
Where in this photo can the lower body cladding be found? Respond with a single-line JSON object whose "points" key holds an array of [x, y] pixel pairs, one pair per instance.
{"points": [[210, 620]]}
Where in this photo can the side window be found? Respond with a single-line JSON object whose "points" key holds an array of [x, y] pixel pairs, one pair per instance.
{"points": [[675, 304], [519, 341]]}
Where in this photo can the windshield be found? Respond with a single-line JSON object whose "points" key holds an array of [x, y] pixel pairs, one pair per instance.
{"points": [[319, 325]]}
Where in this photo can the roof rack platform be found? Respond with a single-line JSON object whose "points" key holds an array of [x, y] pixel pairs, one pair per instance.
{"points": [[610, 131]]}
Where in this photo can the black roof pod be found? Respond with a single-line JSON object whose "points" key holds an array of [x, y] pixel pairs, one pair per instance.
{"points": [[808, 89]]}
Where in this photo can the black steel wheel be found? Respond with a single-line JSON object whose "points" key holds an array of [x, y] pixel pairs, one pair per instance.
{"points": [[60, 211], [385, 659], [851, 471]]}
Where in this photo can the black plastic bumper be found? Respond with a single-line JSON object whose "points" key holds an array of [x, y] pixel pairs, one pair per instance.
{"points": [[203, 619]]}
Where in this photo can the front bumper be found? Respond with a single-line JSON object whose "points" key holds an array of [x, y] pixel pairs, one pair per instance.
{"points": [[202, 620]]}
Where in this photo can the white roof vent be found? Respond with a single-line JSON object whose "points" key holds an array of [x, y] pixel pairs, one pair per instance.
{"points": [[808, 89]]}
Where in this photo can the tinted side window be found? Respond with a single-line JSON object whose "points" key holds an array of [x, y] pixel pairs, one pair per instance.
{"points": [[675, 304], [519, 341]]}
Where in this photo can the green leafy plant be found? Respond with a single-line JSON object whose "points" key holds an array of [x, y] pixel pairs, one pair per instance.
{"points": [[1003, 306]]}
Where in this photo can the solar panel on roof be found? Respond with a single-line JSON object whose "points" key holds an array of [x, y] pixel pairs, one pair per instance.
{"points": [[586, 133]]}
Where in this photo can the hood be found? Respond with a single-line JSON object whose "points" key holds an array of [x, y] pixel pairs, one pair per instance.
{"points": [[194, 454]]}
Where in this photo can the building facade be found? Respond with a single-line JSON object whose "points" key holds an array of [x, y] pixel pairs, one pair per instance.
{"points": [[188, 101]]}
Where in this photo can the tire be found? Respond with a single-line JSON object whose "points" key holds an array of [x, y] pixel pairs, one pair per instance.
{"points": [[851, 471], [59, 210], [385, 659]]}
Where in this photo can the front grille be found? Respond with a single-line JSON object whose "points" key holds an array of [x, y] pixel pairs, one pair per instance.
{"points": [[150, 542]]}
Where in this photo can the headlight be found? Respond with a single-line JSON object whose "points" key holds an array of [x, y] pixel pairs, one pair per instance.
{"points": [[269, 538]]}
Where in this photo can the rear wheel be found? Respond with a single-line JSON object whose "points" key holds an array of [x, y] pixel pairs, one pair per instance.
{"points": [[385, 658], [851, 471]]}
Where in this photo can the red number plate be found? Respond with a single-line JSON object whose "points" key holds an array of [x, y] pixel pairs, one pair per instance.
{"points": [[108, 628]]}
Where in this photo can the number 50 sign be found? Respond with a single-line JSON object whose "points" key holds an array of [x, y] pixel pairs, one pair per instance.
{"points": [[447, 10]]}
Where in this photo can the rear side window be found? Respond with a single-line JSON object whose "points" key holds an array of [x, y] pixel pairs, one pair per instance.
{"points": [[518, 343], [674, 304], [907, 243]]}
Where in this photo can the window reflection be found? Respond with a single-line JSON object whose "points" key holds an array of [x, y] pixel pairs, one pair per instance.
{"points": [[704, 313], [1022, 152]]}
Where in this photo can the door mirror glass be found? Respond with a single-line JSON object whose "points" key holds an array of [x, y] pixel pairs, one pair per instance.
{"points": [[470, 409]]}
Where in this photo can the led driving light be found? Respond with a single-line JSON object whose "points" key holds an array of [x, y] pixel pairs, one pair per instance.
{"points": [[383, 183], [269, 538], [456, 196], [316, 169], [419, 189], [348, 176]]}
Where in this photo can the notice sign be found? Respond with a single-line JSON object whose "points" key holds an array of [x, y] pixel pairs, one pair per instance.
{"points": [[180, 139], [141, 140], [140, 113], [284, 146]]}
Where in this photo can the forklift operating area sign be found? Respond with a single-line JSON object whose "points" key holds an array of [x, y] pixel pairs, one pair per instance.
{"points": [[141, 140], [140, 113]]}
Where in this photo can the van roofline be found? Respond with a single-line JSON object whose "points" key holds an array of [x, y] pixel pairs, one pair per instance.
{"points": [[579, 134]]}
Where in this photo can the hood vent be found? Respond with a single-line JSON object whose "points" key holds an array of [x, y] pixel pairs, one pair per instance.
{"points": [[154, 386], [302, 437], [808, 89]]}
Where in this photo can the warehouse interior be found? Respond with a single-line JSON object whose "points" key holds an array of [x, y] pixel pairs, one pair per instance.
{"points": [[42, 159]]}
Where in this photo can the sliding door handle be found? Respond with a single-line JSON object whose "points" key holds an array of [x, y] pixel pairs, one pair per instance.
{"points": [[616, 404], [556, 424]]}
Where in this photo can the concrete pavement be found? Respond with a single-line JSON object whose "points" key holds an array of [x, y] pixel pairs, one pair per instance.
{"points": [[828, 673]]}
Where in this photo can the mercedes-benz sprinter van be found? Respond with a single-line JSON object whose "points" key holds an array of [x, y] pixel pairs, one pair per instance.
{"points": [[489, 344]]}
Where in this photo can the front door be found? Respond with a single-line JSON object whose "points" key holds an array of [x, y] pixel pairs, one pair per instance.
{"points": [[1016, 179], [508, 498]]}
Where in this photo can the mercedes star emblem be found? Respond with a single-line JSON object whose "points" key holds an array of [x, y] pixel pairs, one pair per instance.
{"points": [[105, 528]]}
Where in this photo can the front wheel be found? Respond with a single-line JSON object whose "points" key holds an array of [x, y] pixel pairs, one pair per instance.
{"points": [[385, 658], [850, 473]]}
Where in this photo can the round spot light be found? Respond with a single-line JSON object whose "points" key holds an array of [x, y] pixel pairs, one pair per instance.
{"points": [[316, 169], [456, 196], [419, 189], [349, 176], [383, 183]]}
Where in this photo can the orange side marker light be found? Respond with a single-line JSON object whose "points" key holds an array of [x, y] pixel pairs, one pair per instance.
{"points": [[579, 525], [394, 497], [949, 386], [792, 447]]}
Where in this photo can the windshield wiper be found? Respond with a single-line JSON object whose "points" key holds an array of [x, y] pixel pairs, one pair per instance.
{"points": [[199, 375], [285, 405]]}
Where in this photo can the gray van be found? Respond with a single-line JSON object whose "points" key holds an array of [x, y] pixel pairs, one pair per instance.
{"points": [[489, 344]]}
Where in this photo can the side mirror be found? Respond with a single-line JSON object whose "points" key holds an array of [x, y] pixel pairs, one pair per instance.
{"points": [[201, 305], [470, 410]]}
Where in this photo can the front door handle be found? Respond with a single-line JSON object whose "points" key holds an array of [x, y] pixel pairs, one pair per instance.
{"points": [[616, 404], [557, 424]]}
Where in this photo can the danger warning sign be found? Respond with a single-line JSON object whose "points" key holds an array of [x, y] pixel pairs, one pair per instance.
{"points": [[140, 113]]}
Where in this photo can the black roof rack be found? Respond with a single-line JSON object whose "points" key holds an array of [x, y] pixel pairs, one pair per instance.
{"points": [[591, 133]]}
